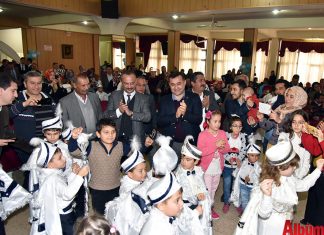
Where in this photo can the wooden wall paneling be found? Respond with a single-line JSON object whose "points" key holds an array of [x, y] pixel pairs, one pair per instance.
{"points": [[150, 7], [92, 7], [239, 3], [96, 61], [24, 40], [83, 49]]}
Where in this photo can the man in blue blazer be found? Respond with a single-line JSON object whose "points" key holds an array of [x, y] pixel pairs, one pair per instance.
{"points": [[180, 112]]}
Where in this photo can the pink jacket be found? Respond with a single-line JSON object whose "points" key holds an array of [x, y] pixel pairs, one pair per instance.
{"points": [[207, 144]]}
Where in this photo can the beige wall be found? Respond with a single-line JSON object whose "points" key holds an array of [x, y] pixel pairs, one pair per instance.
{"points": [[84, 51]]}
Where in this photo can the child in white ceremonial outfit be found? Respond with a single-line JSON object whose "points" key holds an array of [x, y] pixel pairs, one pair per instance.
{"points": [[135, 169], [134, 211], [191, 178], [246, 176], [166, 198], [52, 204], [272, 203]]}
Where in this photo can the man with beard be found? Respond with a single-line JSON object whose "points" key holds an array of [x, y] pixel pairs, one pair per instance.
{"points": [[237, 106]]}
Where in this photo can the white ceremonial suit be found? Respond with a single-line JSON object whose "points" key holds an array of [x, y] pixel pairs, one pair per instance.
{"points": [[192, 183], [267, 215], [160, 224], [54, 195]]}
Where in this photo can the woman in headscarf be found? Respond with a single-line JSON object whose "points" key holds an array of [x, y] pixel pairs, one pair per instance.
{"points": [[295, 98]]}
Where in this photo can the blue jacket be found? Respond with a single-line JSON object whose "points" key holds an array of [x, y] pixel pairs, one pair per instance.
{"points": [[23, 117], [190, 122]]}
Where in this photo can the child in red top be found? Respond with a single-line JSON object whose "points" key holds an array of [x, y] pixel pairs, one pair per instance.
{"points": [[248, 94], [213, 144]]}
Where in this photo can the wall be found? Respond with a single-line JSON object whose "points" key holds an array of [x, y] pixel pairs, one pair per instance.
{"points": [[48, 42], [133, 8], [92, 7], [12, 37]]}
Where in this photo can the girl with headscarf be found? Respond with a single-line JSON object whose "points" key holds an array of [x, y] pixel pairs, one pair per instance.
{"points": [[295, 98]]}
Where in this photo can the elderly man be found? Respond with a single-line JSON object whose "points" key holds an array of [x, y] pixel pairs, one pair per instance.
{"points": [[180, 113], [81, 106], [207, 98], [129, 109]]}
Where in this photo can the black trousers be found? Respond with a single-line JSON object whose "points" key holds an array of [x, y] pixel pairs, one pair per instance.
{"points": [[80, 201], [2, 228], [101, 197], [314, 213], [67, 223]]}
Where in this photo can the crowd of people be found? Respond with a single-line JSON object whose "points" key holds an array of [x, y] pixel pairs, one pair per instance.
{"points": [[150, 149]]}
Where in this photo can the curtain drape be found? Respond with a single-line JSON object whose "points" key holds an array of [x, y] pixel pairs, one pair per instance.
{"points": [[288, 64], [309, 66], [226, 60], [118, 58], [192, 57], [261, 65], [156, 58]]}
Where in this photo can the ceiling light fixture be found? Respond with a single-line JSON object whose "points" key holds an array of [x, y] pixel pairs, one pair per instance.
{"points": [[309, 28], [275, 11], [1, 10], [175, 17], [85, 22]]}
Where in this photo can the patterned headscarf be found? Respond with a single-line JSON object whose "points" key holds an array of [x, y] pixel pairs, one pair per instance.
{"points": [[300, 101]]}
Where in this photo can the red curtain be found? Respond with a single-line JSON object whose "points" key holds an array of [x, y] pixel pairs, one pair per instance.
{"points": [[304, 47], [146, 41]]}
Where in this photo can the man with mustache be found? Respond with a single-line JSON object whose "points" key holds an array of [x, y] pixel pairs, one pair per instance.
{"points": [[207, 97]]}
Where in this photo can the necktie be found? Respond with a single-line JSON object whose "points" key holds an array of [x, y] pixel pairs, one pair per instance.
{"points": [[128, 99], [251, 164], [191, 172], [171, 219]]}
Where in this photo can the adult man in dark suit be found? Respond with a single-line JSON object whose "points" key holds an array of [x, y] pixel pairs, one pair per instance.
{"points": [[107, 80], [129, 109], [207, 97], [82, 107], [8, 93], [180, 113], [22, 66]]}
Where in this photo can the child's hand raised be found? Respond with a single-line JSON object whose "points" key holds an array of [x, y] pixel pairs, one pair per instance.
{"points": [[199, 209], [266, 187], [84, 171], [320, 164], [220, 144], [201, 196], [76, 132], [75, 168]]}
